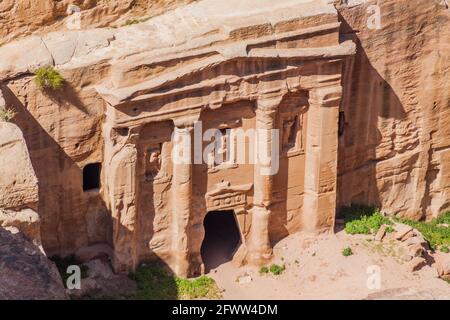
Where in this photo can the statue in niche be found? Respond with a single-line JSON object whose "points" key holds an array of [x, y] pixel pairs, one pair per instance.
{"points": [[153, 162], [289, 136], [222, 147], [220, 154]]}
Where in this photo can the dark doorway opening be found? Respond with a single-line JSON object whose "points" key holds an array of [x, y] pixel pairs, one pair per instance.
{"points": [[91, 176], [222, 238]]}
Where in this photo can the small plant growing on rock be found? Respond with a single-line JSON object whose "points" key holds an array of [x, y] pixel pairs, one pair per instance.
{"points": [[347, 252], [364, 220], [276, 269], [130, 22], [156, 282], [434, 231], [7, 114], [264, 270], [49, 78], [445, 249]]}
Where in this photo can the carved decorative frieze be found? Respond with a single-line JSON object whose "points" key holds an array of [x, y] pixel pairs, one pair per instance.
{"points": [[224, 196]]}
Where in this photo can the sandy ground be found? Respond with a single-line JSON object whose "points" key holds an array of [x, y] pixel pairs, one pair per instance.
{"points": [[316, 269]]}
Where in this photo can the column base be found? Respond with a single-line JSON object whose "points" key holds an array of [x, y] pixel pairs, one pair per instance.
{"points": [[181, 266], [259, 249]]}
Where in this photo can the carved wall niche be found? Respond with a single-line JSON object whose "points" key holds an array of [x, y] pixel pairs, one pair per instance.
{"points": [[155, 146], [224, 154], [292, 114], [153, 161]]}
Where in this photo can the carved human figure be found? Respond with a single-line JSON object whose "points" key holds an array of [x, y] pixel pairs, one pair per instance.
{"points": [[289, 137], [153, 162], [153, 165], [288, 133], [222, 147]]}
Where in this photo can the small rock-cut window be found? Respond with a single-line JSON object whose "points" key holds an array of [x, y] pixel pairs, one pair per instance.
{"points": [[91, 176]]}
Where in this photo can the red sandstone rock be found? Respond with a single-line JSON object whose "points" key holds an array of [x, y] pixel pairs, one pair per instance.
{"points": [[285, 66], [26, 273], [403, 231], [381, 233], [395, 151], [416, 264], [443, 265]]}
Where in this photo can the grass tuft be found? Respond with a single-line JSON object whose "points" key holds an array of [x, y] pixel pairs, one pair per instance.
{"points": [[49, 78], [433, 231], [346, 252], [264, 270], [202, 287], [364, 220], [156, 283], [276, 269], [7, 114]]}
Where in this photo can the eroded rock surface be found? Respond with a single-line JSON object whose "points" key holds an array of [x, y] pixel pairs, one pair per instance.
{"points": [[101, 282], [18, 183], [259, 64], [394, 151], [443, 265], [25, 272], [128, 89], [25, 17]]}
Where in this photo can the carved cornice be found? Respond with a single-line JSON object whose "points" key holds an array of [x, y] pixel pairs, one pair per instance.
{"points": [[148, 90]]}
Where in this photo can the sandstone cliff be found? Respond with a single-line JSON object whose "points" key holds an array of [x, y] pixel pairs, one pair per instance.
{"points": [[21, 18], [18, 185], [25, 272], [395, 149]]}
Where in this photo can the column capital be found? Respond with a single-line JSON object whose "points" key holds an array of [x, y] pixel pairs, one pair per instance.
{"points": [[186, 121], [268, 103], [326, 96]]}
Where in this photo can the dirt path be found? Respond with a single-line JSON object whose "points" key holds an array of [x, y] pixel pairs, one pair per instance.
{"points": [[316, 269]]}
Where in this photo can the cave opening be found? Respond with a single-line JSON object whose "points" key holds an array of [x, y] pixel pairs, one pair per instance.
{"points": [[222, 238], [91, 176]]}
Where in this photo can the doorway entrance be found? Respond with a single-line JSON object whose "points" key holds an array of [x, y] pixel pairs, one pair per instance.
{"points": [[222, 238]]}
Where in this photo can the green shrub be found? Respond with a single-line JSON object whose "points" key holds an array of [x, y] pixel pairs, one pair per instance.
{"points": [[49, 78], [363, 220], [445, 249], [202, 287], [7, 114], [276, 269], [444, 219], [347, 252], [264, 270], [154, 282], [436, 234]]}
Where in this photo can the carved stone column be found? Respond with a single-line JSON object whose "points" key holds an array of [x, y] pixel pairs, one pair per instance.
{"points": [[182, 158], [259, 248], [122, 183], [319, 204]]}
